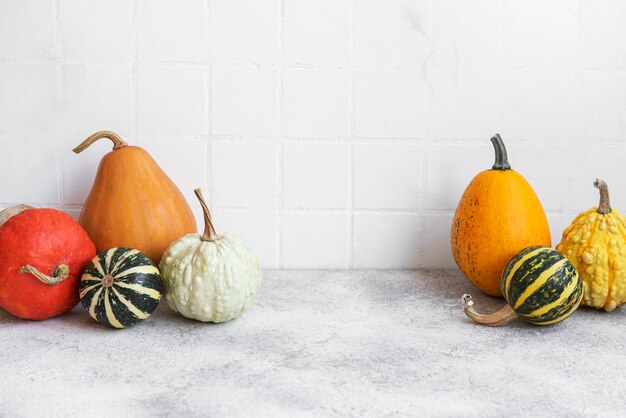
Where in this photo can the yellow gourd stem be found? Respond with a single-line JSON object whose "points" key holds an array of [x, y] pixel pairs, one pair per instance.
{"points": [[500, 317], [60, 273], [117, 141], [604, 206], [209, 231]]}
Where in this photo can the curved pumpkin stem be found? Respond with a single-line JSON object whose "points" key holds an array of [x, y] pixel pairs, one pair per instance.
{"points": [[117, 141], [500, 317], [60, 273], [605, 202], [502, 160], [209, 231]]}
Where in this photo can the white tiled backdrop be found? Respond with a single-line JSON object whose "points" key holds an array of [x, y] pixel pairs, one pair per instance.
{"points": [[327, 133]]}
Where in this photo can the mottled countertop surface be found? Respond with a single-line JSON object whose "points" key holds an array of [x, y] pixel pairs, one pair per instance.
{"points": [[319, 343]]}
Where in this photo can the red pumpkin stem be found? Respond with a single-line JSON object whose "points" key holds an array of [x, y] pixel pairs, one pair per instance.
{"points": [[60, 273], [209, 230], [117, 141], [605, 202], [500, 317]]}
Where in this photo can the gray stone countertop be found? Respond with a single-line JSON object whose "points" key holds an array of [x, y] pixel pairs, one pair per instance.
{"points": [[320, 343]]}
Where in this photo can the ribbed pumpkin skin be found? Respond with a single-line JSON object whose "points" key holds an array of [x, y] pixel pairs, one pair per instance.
{"points": [[498, 215], [135, 291], [134, 204], [541, 285]]}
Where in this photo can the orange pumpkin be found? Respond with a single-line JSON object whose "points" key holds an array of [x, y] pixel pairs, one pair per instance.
{"points": [[132, 202], [498, 216]]}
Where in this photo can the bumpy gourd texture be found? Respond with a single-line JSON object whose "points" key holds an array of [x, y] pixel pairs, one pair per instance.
{"points": [[596, 246], [211, 281]]}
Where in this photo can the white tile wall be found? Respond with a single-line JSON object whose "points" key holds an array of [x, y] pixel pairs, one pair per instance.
{"points": [[28, 99], [468, 35], [244, 101], [315, 240], [86, 104], [244, 174], [327, 133], [387, 176], [245, 32], [322, 170], [316, 103], [531, 39], [386, 240], [390, 104], [27, 30], [96, 31], [171, 31], [40, 185], [601, 25], [316, 32], [392, 33], [171, 100]]}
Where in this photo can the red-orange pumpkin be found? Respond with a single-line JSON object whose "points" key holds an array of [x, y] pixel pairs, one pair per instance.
{"points": [[42, 256]]}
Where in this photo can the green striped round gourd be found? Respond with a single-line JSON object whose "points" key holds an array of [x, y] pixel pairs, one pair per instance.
{"points": [[120, 287], [541, 285]]}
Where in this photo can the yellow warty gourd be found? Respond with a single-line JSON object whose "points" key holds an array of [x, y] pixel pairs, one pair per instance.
{"points": [[595, 243]]}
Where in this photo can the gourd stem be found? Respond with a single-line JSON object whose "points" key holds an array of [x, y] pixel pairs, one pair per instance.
{"points": [[502, 160], [209, 231], [117, 141], [500, 317], [605, 202], [60, 273]]}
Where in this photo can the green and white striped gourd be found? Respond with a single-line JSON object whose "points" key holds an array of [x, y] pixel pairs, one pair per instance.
{"points": [[540, 286], [120, 287]]}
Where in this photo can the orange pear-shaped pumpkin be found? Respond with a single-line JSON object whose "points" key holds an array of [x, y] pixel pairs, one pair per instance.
{"points": [[132, 202], [498, 216]]}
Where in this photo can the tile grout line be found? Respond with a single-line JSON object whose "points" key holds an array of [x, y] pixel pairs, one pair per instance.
{"points": [[531, 142], [352, 132], [134, 97], [422, 203], [619, 70], [208, 111], [280, 150], [320, 211], [56, 10], [422, 146]]}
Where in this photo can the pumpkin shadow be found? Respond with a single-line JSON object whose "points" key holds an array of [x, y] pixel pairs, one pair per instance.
{"points": [[79, 318], [448, 286], [6, 318], [166, 315], [76, 317]]}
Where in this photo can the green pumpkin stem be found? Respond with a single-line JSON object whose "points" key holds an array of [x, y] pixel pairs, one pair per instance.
{"points": [[500, 317], [605, 201], [117, 141], [502, 160], [60, 273], [209, 231]]}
